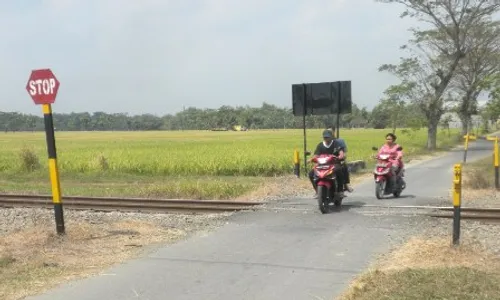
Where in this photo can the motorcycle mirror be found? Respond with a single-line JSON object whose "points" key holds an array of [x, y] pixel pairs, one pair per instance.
{"points": [[374, 148], [307, 153]]}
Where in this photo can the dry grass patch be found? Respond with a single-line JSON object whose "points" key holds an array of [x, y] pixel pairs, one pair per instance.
{"points": [[280, 186], [35, 259], [478, 184], [426, 268], [470, 194], [421, 252], [479, 175]]}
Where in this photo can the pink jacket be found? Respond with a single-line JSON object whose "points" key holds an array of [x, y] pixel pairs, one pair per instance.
{"points": [[397, 155]]}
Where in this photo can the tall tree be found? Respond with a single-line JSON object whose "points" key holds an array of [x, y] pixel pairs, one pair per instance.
{"points": [[492, 109], [476, 69], [437, 52]]}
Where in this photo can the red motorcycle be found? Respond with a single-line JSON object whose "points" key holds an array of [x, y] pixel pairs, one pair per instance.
{"points": [[326, 180], [382, 175]]}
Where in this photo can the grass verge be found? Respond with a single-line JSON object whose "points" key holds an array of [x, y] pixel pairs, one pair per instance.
{"points": [[426, 268], [133, 185], [204, 188]]}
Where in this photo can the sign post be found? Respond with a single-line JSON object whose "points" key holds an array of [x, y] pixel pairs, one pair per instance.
{"points": [[495, 164], [321, 98], [457, 202], [468, 137], [495, 160], [296, 163], [43, 87]]}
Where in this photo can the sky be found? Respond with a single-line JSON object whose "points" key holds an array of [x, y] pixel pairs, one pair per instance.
{"points": [[158, 56]]}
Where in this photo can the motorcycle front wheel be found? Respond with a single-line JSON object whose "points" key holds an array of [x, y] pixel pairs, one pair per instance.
{"points": [[322, 199], [379, 189]]}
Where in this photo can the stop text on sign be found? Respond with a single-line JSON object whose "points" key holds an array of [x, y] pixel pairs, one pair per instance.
{"points": [[42, 86]]}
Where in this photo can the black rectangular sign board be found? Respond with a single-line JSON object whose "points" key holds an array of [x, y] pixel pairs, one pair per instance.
{"points": [[322, 98]]}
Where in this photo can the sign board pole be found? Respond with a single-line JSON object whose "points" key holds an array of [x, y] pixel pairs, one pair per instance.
{"points": [[53, 170], [304, 127], [43, 87], [338, 111]]}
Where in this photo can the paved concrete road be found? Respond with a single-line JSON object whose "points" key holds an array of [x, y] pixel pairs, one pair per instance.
{"points": [[292, 252]]}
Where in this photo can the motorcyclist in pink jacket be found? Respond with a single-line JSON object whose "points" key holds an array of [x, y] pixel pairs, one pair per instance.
{"points": [[390, 147]]}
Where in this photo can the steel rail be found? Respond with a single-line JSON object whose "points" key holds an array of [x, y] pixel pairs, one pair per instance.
{"points": [[128, 204], [471, 213]]}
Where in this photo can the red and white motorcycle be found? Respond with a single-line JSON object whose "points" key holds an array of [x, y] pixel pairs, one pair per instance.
{"points": [[326, 180], [382, 175]]}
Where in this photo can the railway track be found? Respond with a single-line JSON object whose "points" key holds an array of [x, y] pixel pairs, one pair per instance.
{"points": [[128, 204], [198, 206], [471, 213]]}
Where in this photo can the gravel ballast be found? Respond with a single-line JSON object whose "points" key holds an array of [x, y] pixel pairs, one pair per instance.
{"points": [[14, 219]]}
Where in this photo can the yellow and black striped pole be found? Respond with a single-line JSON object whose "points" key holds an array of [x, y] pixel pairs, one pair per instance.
{"points": [[457, 202], [296, 163], [53, 171], [496, 164]]}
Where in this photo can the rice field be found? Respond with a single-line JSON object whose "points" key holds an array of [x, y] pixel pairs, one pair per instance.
{"points": [[181, 164], [188, 153]]}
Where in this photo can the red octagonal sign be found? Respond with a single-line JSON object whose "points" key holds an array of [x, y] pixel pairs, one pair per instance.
{"points": [[43, 86]]}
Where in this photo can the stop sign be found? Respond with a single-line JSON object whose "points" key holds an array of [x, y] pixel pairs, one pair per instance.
{"points": [[42, 86]]}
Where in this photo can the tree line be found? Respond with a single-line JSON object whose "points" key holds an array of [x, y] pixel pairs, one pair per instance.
{"points": [[388, 113], [267, 116]]}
